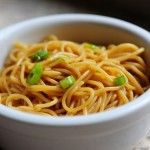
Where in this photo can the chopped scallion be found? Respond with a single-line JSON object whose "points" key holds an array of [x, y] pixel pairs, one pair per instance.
{"points": [[35, 74], [119, 81], [92, 47], [40, 55], [67, 82]]}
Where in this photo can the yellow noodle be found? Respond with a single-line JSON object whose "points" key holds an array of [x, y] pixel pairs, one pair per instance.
{"points": [[85, 108], [138, 72], [103, 101], [93, 69], [49, 111], [46, 105], [95, 104], [14, 97], [112, 105], [52, 81]]}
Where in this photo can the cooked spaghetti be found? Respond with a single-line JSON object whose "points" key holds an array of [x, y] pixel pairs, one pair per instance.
{"points": [[56, 77]]}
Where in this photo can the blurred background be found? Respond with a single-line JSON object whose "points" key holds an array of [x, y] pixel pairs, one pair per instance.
{"points": [[135, 11]]}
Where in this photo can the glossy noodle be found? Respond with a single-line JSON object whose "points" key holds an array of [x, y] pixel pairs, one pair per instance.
{"points": [[56, 77]]}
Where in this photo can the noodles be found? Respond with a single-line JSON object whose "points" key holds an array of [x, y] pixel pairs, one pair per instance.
{"points": [[55, 77]]}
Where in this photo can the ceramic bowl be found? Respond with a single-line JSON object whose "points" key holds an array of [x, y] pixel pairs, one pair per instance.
{"points": [[117, 129]]}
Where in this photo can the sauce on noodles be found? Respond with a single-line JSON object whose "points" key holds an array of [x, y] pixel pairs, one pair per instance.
{"points": [[56, 77]]}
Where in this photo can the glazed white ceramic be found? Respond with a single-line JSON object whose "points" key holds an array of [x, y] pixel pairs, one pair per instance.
{"points": [[118, 129]]}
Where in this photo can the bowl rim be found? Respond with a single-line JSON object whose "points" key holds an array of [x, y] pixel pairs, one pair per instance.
{"points": [[102, 117]]}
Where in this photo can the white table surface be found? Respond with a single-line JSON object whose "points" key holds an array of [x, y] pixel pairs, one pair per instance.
{"points": [[12, 11]]}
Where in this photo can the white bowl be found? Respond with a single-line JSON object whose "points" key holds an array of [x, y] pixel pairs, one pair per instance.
{"points": [[118, 129]]}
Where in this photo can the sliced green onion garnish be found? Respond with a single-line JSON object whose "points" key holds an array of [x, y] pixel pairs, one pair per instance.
{"points": [[119, 81], [40, 55], [35, 74], [67, 82], [92, 47]]}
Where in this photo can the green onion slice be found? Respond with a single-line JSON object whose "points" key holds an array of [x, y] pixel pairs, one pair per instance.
{"points": [[120, 81], [67, 82], [40, 55], [35, 74], [92, 46]]}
